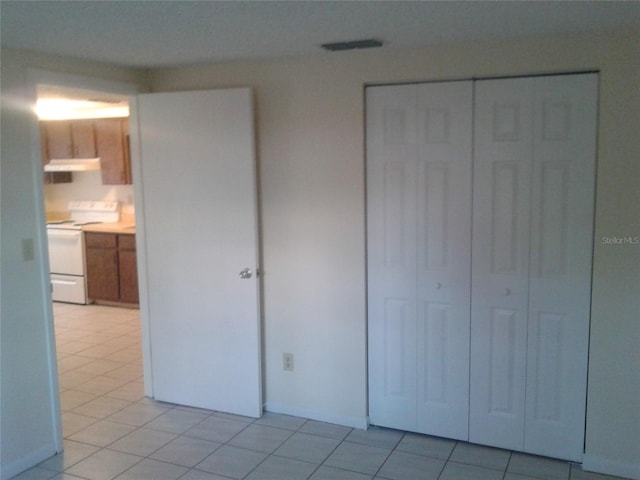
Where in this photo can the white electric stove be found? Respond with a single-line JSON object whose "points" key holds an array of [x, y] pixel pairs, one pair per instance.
{"points": [[66, 248]]}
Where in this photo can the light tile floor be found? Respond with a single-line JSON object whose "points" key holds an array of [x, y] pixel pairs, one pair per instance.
{"points": [[111, 430]]}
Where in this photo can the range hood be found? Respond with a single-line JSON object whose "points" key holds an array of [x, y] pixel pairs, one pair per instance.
{"points": [[72, 165]]}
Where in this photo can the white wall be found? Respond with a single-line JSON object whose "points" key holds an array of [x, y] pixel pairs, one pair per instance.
{"points": [[86, 186], [28, 385], [311, 160]]}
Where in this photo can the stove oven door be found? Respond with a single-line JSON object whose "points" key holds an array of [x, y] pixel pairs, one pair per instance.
{"points": [[66, 251]]}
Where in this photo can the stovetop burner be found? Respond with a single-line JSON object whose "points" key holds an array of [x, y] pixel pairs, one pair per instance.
{"points": [[84, 213]]}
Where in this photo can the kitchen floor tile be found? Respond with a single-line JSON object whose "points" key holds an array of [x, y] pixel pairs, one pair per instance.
{"points": [[199, 475], [217, 429], [70, 399], [310, 448], [538, 467], [277, 420], [142, 442], [357, 457], [480, 456], [35, 473], [331, 473], [186, 451], [72, 423], [175, 421], [279, 468], [101, 407], [232, 461], [102, 433], [149, 469], [426, 445], [376, 437], [407, 466], [104, 465], [73, 453], [322, 429], [132, 391], [260, 438], [100, 385], [137, 414], [456, 471]]}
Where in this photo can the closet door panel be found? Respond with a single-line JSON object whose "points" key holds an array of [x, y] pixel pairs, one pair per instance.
{"points": [[500, 270], [560, 273], [444, 254], [391, 255]]}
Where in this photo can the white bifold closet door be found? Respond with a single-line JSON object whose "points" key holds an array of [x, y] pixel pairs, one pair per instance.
{"points": [[533, 205], [480, 202], [419, 227]]}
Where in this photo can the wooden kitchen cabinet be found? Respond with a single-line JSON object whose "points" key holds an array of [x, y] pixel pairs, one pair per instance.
{"points": [[128, 268], [113, 150], [51, 177], [69, 138], [106, 138], [112, 275]]}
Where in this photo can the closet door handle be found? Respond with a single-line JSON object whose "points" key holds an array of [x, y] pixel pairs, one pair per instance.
{"points": [[507, 292]]}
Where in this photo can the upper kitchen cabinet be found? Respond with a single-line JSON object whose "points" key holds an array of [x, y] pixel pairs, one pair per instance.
{"points": [[69, 138], [113, 150], [51, 177], [106, 138]]}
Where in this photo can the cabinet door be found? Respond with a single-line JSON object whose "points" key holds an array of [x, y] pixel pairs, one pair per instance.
{"points": [[112, 150], [50, 177], [102, 266], [500, 269], [84, 139], [58, 138], [562, 208], [128, 269]]}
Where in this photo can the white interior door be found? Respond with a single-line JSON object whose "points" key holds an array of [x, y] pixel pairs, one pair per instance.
{"points": [[500, 270], [418, 221], [562, 200], [444, 257], [392, 232], [199, 223]]}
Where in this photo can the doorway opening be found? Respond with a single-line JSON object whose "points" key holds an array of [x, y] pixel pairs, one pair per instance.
{"points": [[95, 312]]}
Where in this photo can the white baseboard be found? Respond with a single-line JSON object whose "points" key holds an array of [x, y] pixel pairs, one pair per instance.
{"points": [[592, 463], [319, 415], [25, 463]]}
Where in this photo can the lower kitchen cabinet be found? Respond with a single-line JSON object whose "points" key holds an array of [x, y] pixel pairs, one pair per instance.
{"points": [[112, 275], [127, 268]]}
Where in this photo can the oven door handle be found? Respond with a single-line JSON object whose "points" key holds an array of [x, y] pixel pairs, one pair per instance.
{"points": [[63, 234], [62, 282]]}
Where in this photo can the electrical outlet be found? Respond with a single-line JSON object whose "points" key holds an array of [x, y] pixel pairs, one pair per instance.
{"points": [[287, 362]]}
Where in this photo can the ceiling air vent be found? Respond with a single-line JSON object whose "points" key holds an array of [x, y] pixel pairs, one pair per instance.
{"points": [[341, 46]]}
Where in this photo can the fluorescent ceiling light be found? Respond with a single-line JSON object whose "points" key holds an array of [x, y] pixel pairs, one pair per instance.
{"points": [[64, 109]]}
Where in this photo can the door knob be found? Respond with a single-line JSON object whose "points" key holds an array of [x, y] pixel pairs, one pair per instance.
{"points": [[246, 273]]}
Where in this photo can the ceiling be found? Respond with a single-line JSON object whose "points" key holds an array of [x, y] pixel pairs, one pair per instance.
{"points": [[151, 34]]}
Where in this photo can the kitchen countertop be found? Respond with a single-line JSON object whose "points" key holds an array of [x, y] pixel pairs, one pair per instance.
{"points": [[111, 227]]}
